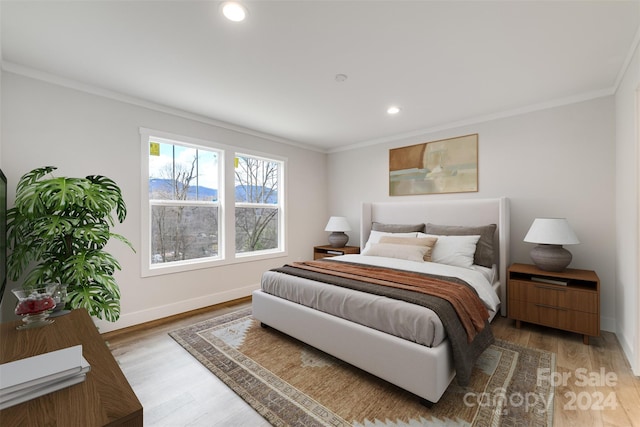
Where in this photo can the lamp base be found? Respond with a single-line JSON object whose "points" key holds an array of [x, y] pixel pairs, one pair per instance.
{"points": [[338, 239], [551, 257]]}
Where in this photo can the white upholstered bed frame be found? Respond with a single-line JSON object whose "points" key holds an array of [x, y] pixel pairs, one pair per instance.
{"points": [[423, 371]]}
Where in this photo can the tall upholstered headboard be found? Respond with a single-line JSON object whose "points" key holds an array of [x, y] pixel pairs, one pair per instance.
{"points": [[468, 212]]}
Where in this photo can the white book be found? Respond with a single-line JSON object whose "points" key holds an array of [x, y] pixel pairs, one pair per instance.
{"points": [[44, 368], [41, 390], [550, 281], [32, 390]]}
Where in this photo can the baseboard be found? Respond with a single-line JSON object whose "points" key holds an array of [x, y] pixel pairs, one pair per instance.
{"points": [[627, 350], [143, 316], [608, 324]]}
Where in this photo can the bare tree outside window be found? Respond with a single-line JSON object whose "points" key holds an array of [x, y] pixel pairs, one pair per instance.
{"points": [[257, 203], [184, 225]]}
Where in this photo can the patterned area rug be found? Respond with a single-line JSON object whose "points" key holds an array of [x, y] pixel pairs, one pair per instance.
{"points": [[292, 384]]}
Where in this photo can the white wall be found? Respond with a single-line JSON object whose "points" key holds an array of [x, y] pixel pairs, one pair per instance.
{"points": [[627, 215], [556, 162], [82, 134]]}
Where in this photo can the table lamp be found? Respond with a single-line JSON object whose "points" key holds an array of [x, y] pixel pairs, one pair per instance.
{"points": [[338, 225], [551, 234]]}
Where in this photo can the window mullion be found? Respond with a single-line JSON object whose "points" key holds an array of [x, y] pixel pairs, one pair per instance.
{"points": [[183, 229]]}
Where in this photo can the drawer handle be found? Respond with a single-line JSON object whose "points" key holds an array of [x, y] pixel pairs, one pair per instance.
{"points": [[553, 288], [551, 306]]}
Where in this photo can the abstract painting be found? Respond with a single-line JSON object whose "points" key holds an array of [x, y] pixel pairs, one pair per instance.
{"points": [[437, 167]]}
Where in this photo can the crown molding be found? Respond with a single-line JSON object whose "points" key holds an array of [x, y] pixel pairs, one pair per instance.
{"points": [[627, 60], [480, 119], [11, 67], [107, 93]]}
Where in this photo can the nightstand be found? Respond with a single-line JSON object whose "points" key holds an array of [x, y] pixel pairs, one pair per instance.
{"points": [[329, 251], [568, 300]]}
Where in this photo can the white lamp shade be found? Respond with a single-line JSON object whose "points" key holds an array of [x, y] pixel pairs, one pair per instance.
{"points": [[551, 231], [337, 223]]}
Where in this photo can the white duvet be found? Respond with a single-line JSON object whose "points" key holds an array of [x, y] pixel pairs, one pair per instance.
{"points": [[399, 318]]}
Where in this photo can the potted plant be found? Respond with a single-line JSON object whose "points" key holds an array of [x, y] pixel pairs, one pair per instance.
{"points": [[57, 231]]}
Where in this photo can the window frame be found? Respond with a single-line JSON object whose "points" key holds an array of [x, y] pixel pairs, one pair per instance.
{"points": [[226, 207], [280, 206]]}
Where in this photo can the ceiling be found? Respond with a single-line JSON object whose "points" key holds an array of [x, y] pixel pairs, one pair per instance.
{"points": [[442, 62]]}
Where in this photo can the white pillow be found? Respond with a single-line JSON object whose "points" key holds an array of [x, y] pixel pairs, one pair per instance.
{"points": [[453, 250], [491, 274], [397, 250], [374, 237]]}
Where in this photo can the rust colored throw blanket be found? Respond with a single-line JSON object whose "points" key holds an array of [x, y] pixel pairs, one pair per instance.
{"points": [[470, 309], [455, 302]]}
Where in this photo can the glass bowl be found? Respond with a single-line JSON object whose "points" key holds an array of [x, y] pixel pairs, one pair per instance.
{"points": [[34, 305], [60, 298]]}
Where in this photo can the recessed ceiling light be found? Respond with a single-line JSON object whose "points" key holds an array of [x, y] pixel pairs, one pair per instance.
{"points": [[341, 78], [234, 11], [393, 110]]}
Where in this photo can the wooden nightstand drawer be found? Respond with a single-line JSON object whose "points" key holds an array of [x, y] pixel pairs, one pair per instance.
{"points": [[568, 300], [561, 318], [555, 296]]}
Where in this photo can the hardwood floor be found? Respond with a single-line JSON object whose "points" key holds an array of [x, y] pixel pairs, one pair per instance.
{"points": [[594, 383], [176, 390], [173, 387]]}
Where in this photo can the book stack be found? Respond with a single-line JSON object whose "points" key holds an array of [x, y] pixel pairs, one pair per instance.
{"points": [[32, 377], [550, 281]]}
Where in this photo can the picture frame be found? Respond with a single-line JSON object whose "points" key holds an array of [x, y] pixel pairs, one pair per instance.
{"points": [[437, 167]]}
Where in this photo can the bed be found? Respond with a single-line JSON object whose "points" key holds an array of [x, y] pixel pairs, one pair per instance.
{"points": [[424, 370]]}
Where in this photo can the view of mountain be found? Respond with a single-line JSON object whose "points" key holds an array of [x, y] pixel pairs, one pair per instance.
{"points": [[158, 185]]}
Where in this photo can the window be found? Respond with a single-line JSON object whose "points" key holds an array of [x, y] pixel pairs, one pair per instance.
{"points": [[258, 206], [183, 200], [185, 223]]}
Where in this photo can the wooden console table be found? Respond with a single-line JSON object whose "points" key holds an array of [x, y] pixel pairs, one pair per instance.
{"points": [[104, 398]]}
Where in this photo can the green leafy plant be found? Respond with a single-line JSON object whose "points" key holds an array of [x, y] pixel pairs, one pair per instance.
{"points": [[58, 229]]}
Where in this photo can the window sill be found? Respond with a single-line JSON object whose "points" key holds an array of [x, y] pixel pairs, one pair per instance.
{"points": [[185, 266]]}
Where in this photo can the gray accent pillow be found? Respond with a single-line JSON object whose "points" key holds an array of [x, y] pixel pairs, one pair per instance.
{"points": [[397, 228], [484, 248]]}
